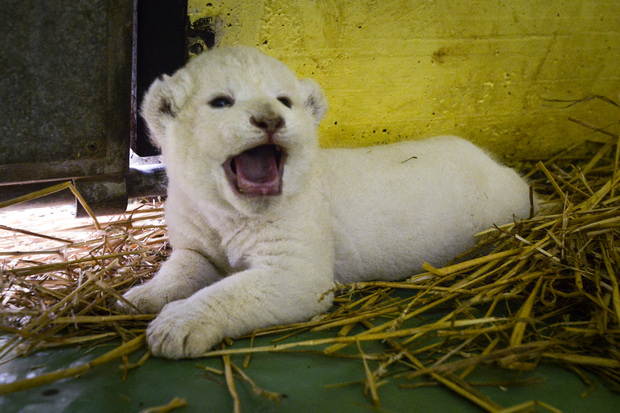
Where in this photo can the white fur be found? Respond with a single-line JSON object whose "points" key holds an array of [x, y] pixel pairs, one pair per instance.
{"points": [[240, 263]]}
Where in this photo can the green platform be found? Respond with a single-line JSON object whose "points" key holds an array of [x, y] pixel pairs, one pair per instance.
{"points": [[301, 377]]}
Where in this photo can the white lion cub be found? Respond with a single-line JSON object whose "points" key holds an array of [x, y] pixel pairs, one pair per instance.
{"points": [[262, 221]]}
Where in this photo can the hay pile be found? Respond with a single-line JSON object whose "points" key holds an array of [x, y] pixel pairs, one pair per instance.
{"points": [[59, 289], [544, 290]]}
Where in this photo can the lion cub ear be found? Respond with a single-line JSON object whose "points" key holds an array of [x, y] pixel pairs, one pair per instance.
{"points": [[314, 99], [162, 103]]}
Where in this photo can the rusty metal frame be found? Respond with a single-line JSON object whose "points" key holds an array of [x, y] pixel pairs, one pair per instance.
{"points": [[97, 161], [114, 160]]}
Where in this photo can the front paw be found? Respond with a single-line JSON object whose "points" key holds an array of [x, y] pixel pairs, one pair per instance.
{"points": [[182, 331]]}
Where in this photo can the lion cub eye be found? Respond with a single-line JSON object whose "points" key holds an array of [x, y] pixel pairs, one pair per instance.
{"points": [[221, 102], [285, 101]]}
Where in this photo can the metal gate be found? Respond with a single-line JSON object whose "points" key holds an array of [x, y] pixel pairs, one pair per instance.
{"points": [[71, 76]]}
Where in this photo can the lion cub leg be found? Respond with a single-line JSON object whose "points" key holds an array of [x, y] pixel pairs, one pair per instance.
{"points": [[184, 273], [237, 305]]}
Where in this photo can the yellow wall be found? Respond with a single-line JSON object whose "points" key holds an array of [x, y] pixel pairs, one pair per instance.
{"points": [[482, 69]]}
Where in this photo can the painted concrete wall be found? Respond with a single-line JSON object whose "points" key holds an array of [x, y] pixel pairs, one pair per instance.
{"points": [[409, 69]]}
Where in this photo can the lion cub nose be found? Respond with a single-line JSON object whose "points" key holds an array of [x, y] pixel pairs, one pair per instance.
{"points": [[270, 124]]}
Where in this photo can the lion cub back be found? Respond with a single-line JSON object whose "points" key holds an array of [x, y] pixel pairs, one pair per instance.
{"points": [[397, 206]]}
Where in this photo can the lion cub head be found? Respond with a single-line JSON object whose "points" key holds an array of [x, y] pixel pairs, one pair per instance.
{"points": [[236, 126]]}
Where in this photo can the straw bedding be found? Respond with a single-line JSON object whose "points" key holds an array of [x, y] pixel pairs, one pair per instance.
{"points": [[540, 290]]}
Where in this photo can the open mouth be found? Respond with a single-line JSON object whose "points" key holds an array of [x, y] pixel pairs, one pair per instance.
{"points": [[257, 171]]}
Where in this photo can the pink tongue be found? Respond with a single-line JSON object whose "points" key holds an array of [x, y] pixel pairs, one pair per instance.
{"points": [[257, 165], [257, 171]]}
